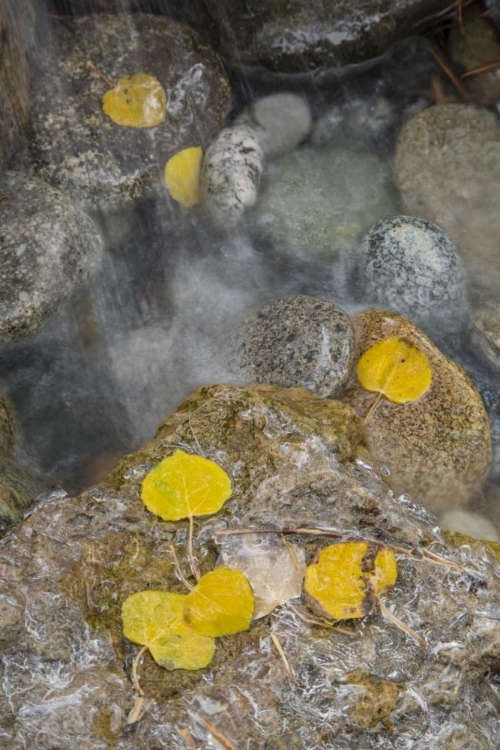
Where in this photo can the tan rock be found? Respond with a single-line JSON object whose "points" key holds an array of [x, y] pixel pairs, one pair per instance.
{"points": [[438, 448], [448, 171]]}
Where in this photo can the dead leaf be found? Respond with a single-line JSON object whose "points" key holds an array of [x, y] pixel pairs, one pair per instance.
{"points": [[137, 101], [182, 176], [221, 603], [395, 369]]}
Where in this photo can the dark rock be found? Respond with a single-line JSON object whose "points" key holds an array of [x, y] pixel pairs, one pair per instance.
{"points": [[8, 427], [408, 265], [18, 490], [319, 201], [77, 147], [298, 341], [49, 248], [473, 45], [17, 20], [448, 171], [293, 459], [293, 35], [437, 448]]}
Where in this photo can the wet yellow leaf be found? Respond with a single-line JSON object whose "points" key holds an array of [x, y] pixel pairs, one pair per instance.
{"points": [[398, 370], [343, 583], [137, 101], [184, 485], [154, 619], [221, 603], [182, 176]]}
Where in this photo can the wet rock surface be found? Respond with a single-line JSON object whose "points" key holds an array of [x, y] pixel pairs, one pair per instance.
{"points": [[297, 341], [408, 265], [294, 459], [448, 170], [17, 20], [8, 427], [486, 332], [291, 35], [437, 448], [77, 147], [49, 248], [319, 201], [231, 173], [282, 121]]}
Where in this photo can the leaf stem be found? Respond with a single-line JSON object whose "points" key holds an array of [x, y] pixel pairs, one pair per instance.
{"points": [[135, 678], [180, 574], [100, 74], [195, 568], [401, 625], [372, 408]]}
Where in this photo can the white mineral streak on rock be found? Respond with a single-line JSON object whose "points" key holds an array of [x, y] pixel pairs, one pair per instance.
{"points": [[231, 174]]}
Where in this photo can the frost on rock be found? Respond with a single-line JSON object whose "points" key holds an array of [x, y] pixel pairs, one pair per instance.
{"points": [[295, 460]]}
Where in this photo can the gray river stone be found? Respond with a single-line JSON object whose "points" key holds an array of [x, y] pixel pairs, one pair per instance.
{"points": [[282, 121], [294, 35], [317, 201], [408, 265], [298, 341], [49, 248], [294, 460], [77, 147], [231, 173], [448, 172], [485, 332]]}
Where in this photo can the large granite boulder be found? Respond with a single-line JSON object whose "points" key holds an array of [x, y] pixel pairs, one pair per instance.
{"points": [[49, 249], [75, 146], [295, 460], [295, 35]]}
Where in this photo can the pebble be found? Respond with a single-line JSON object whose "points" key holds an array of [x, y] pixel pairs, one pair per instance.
{"points": [[49, 248], [298, 341], [408, 265], [231, 173], [472, 524], [448, 171], [438, 448], [318, 201], [282, 121], [485, 334]]}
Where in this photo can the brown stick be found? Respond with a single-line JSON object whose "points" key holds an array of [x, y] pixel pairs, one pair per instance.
{"points": [[451, 75], [481, 69]]}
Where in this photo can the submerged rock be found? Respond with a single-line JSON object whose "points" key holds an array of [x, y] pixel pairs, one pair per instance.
{"points": [[473, 45], [408, 265], [49, 248], [318, 201], [77, 147], [297, 341], [231, 174], [437, 448], [369, 119], [485, 333], [282, 121], [466, 522], [294, 36], [294, 460], [448, 171]]}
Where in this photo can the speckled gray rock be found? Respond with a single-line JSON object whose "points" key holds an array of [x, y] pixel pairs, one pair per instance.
{"points": [[48, 246], [318, 201], [294, 460], [368, 119], [77, 147], [448, 172], [231, 173], [485, 332], [296, 36], [282, 121], [408, 265], [297, 341]]}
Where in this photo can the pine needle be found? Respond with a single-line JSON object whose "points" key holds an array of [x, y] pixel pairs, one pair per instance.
{"points": [[451, 75], [280, 651], [187, 739], [216, 734], [481, 69], [100, 74]]}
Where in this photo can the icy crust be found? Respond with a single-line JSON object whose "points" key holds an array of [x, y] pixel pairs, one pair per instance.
{"points": [[295, 460]]}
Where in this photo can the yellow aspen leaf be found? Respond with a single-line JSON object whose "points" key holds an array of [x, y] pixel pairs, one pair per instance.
{"points": [[182, 176], [137, 101], [154, 619], [398, 370], [221, 603], [183, 485], [347, 577]]}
